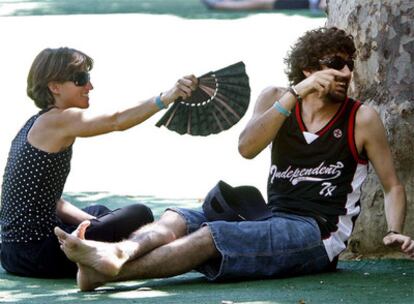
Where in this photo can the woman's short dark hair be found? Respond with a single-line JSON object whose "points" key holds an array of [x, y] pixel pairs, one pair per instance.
{"points": [[314, 45], [54, 65]]}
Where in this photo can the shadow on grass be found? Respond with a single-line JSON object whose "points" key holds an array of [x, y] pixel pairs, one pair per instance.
{"points": [[366, 281], [114, 201], [191, 9]]}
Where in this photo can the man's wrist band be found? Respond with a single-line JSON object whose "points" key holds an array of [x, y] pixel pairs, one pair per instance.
{"points": [[295, 93], [159, 103], [281, 109], [392, 231]]}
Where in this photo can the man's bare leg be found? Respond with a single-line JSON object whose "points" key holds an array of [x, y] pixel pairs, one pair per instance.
{"points": [[174, 258], [108, 258]]}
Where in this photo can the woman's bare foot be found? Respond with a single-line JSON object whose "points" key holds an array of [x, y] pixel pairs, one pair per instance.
{"points": [[106, 258]]}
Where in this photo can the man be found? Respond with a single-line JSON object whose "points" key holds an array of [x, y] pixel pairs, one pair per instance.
{"points": [[246, 5], [319, 161]]}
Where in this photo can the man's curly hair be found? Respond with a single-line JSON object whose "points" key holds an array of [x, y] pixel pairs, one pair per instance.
{"points": [[315, 45]]}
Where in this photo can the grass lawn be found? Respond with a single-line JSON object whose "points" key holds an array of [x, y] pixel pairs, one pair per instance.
{"points": [[362, 282], [193, 9]]}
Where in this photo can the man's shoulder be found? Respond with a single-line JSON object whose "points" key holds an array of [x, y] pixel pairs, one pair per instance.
{"points": [[366, 115]]}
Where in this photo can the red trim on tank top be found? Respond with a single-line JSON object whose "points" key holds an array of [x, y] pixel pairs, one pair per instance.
{"points": [[299, 118], [351, 134], [337, 115], [322, 131]]}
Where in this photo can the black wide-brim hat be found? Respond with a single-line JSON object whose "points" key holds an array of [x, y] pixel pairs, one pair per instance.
{"points": [[228, 203]]}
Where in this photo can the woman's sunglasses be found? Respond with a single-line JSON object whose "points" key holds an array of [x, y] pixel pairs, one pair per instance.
{"points": [[337, 63], [80, 78]]}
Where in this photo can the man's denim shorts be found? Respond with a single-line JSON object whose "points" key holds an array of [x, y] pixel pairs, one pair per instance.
{"points": [[284, 245]]}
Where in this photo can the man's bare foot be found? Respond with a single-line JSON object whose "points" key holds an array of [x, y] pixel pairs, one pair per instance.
{"points": [[106, 258], [88, 278]]}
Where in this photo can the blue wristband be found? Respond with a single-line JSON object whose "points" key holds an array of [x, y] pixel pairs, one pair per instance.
{"points": [[159, 103], [281, 109]]}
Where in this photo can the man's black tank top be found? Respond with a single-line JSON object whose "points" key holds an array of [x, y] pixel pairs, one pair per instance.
{"points": [[319, 175]]}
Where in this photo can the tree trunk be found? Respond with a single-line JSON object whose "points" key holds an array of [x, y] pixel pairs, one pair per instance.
{"points": [[384, 79]]}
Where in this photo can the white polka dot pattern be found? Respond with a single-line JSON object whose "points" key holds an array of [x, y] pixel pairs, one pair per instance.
{"points": [[33, 182]]}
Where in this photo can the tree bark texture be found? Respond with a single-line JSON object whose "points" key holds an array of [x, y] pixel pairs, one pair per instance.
{"points": [[384, 79]]}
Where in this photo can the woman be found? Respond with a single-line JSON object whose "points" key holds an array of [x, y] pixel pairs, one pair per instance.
{"points": [[39, 163]]}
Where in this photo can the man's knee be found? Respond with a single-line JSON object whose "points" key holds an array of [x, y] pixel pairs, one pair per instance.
{"points": [[175, 222], [172, 217]]}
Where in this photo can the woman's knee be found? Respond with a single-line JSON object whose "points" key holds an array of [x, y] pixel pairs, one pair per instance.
{"points": [[142, 213], [96, 210]]}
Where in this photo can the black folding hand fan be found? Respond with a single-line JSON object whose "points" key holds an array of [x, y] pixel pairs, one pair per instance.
{"points": [[220, 101]]}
